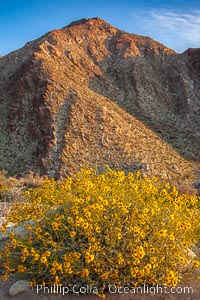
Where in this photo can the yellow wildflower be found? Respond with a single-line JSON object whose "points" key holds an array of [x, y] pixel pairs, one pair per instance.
{"points": [[4, 277], [85, 272], [53, 271], [43, 260], [72, 234], [89, 257], [11, 235], [196, 263], [55, 226]]}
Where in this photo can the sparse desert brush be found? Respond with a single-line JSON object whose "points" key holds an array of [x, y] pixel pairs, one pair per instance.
{"points": [[103, 229], [32, 180], [4, 181], [9, 187]]}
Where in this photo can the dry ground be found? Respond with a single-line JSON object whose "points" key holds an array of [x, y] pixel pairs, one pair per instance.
{"points": [[33, 295]]}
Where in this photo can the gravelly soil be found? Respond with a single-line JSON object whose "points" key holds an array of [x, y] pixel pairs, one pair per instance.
{"points": [[35, 295]]}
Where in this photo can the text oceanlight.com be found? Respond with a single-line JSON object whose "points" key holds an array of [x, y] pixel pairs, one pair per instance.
{"points": [[113, 289]]}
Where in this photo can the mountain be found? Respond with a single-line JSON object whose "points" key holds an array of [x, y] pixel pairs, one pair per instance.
{"points": [[90, 94]]}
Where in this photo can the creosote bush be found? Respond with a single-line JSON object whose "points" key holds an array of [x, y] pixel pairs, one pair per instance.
{"points": [[110, 228]]}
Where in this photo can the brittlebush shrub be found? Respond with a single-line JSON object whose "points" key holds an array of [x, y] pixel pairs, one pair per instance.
{"points": [[110, 228]]}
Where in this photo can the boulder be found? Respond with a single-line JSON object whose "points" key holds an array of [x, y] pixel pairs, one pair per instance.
{"points": [[196, 184], [19, 286]]}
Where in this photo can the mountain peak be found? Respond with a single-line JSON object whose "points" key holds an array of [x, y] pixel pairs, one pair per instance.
{"points": [[86, 20], [89, 31], [91, 94], [91, 23]]}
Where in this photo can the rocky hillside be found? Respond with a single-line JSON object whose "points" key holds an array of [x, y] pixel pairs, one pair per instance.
{"points": [[90, 94]]}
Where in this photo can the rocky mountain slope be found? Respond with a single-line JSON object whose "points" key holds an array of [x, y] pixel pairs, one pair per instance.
{"points": [[91, 94]]}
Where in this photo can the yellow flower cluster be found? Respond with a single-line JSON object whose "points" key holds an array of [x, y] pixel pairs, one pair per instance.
{"points": [[171, 278], [108, 228]]}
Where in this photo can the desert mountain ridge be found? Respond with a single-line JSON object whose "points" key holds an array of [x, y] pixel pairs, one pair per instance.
{"points": [[90, 94]]}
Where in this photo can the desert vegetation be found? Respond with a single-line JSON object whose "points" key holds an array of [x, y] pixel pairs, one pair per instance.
{"points": [[101, 228]]}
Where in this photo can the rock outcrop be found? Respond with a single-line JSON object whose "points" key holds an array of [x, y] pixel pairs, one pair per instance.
{"points": [[90, 94]]}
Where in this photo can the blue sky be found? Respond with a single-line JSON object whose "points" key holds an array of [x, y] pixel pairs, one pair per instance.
{"points": [[175, 23]]}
